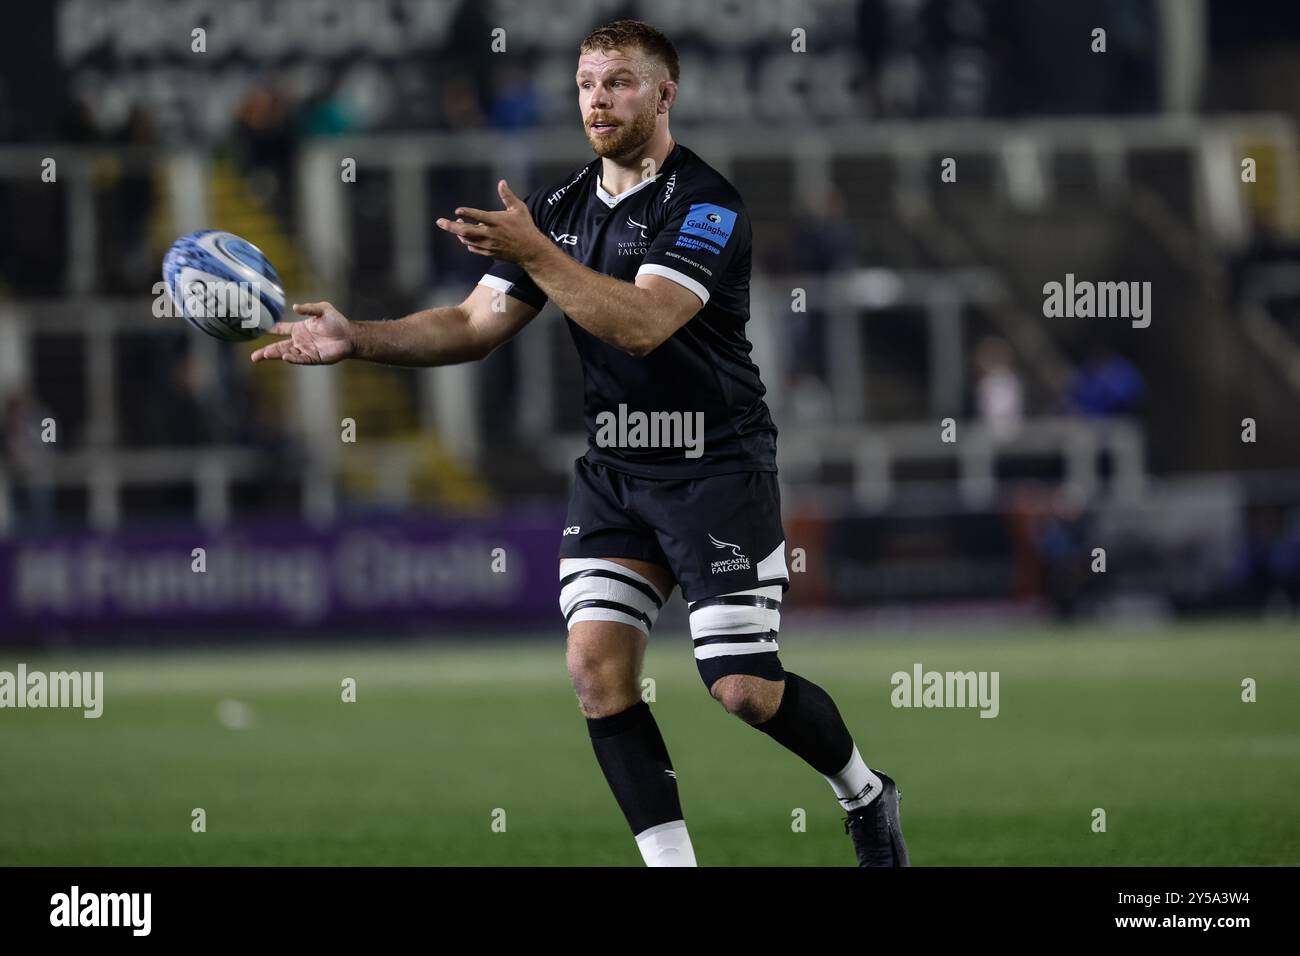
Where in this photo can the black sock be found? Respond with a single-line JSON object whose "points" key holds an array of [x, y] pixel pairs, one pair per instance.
{"points": [[809, 724], [632, 754]]}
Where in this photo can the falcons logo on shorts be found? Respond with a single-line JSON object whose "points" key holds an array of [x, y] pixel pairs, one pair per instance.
{"points": [[735, 548]]}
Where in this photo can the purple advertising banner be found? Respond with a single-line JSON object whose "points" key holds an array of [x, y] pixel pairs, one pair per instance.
{"points": [[372, 575]]}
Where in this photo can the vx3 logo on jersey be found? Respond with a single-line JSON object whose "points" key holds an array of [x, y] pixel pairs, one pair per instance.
{"points": [[738, 561], [565, 238]]}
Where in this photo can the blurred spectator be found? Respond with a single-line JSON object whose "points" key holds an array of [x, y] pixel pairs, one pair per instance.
{"points": [[129, 204], [78, 123], [469, 64], [265, 144], [325, 113], [1062, 542], [514, 100], [181, 417], [460, 104], [822, 242], [26, 460], [808, 400], [999, 394], [1107, 386], [139, 128], [1284, 561], [1265, 571]]}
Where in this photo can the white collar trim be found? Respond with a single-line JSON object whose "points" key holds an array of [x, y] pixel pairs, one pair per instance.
{"points": [[612, 201]]}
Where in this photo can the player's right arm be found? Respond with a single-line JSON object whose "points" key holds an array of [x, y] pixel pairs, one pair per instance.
{"points": [[444, 336]]}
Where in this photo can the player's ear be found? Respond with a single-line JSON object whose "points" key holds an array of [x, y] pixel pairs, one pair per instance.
{"points": [[667, 93]]}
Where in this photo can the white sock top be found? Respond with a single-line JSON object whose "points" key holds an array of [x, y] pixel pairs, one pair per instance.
{"points": [[667, 844], [855, 785]]}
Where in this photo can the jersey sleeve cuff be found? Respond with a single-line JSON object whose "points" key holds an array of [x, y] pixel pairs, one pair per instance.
{"points": [[683, 280], [496, 282], [524, 291]]}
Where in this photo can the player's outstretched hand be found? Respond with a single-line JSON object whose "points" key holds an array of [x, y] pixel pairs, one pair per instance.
{"points": [[508, 234], [322, 338]]}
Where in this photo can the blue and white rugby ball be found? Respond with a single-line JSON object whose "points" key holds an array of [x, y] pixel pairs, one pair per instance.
{"points": [[223, 285]]}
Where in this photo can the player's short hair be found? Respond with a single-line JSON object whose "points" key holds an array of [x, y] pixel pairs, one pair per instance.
{"points": [[622, 34]]}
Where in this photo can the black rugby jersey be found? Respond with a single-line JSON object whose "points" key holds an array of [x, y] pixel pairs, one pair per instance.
{"points": [[694, 406]]}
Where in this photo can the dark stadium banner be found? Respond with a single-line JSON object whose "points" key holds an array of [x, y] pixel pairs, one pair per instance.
{"points": [[429, 64], [387, 572], [111, 68]]}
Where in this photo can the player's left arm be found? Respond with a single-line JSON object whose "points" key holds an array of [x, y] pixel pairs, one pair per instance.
{"points": [[634, 318]]}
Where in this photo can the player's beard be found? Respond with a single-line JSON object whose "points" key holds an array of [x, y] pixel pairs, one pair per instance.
{"points": [[628, 138]]}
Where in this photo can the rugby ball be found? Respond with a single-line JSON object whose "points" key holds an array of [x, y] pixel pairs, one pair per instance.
{"points": [[223, 285]]}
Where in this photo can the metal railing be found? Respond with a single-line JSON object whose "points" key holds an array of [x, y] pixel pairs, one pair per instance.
{"points": [[1098, 458], [1019, 151]]}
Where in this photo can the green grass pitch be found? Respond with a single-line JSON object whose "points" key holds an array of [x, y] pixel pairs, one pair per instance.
{"points": [[1148, 726]]}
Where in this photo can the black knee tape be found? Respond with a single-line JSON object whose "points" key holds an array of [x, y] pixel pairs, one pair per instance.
{"points": [[766, 665]]}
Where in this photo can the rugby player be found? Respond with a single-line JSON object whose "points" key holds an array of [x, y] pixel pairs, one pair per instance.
{"points": [[646, 250]]}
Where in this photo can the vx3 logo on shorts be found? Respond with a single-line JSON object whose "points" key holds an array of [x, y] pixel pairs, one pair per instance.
{"points": [[737, 562]]}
